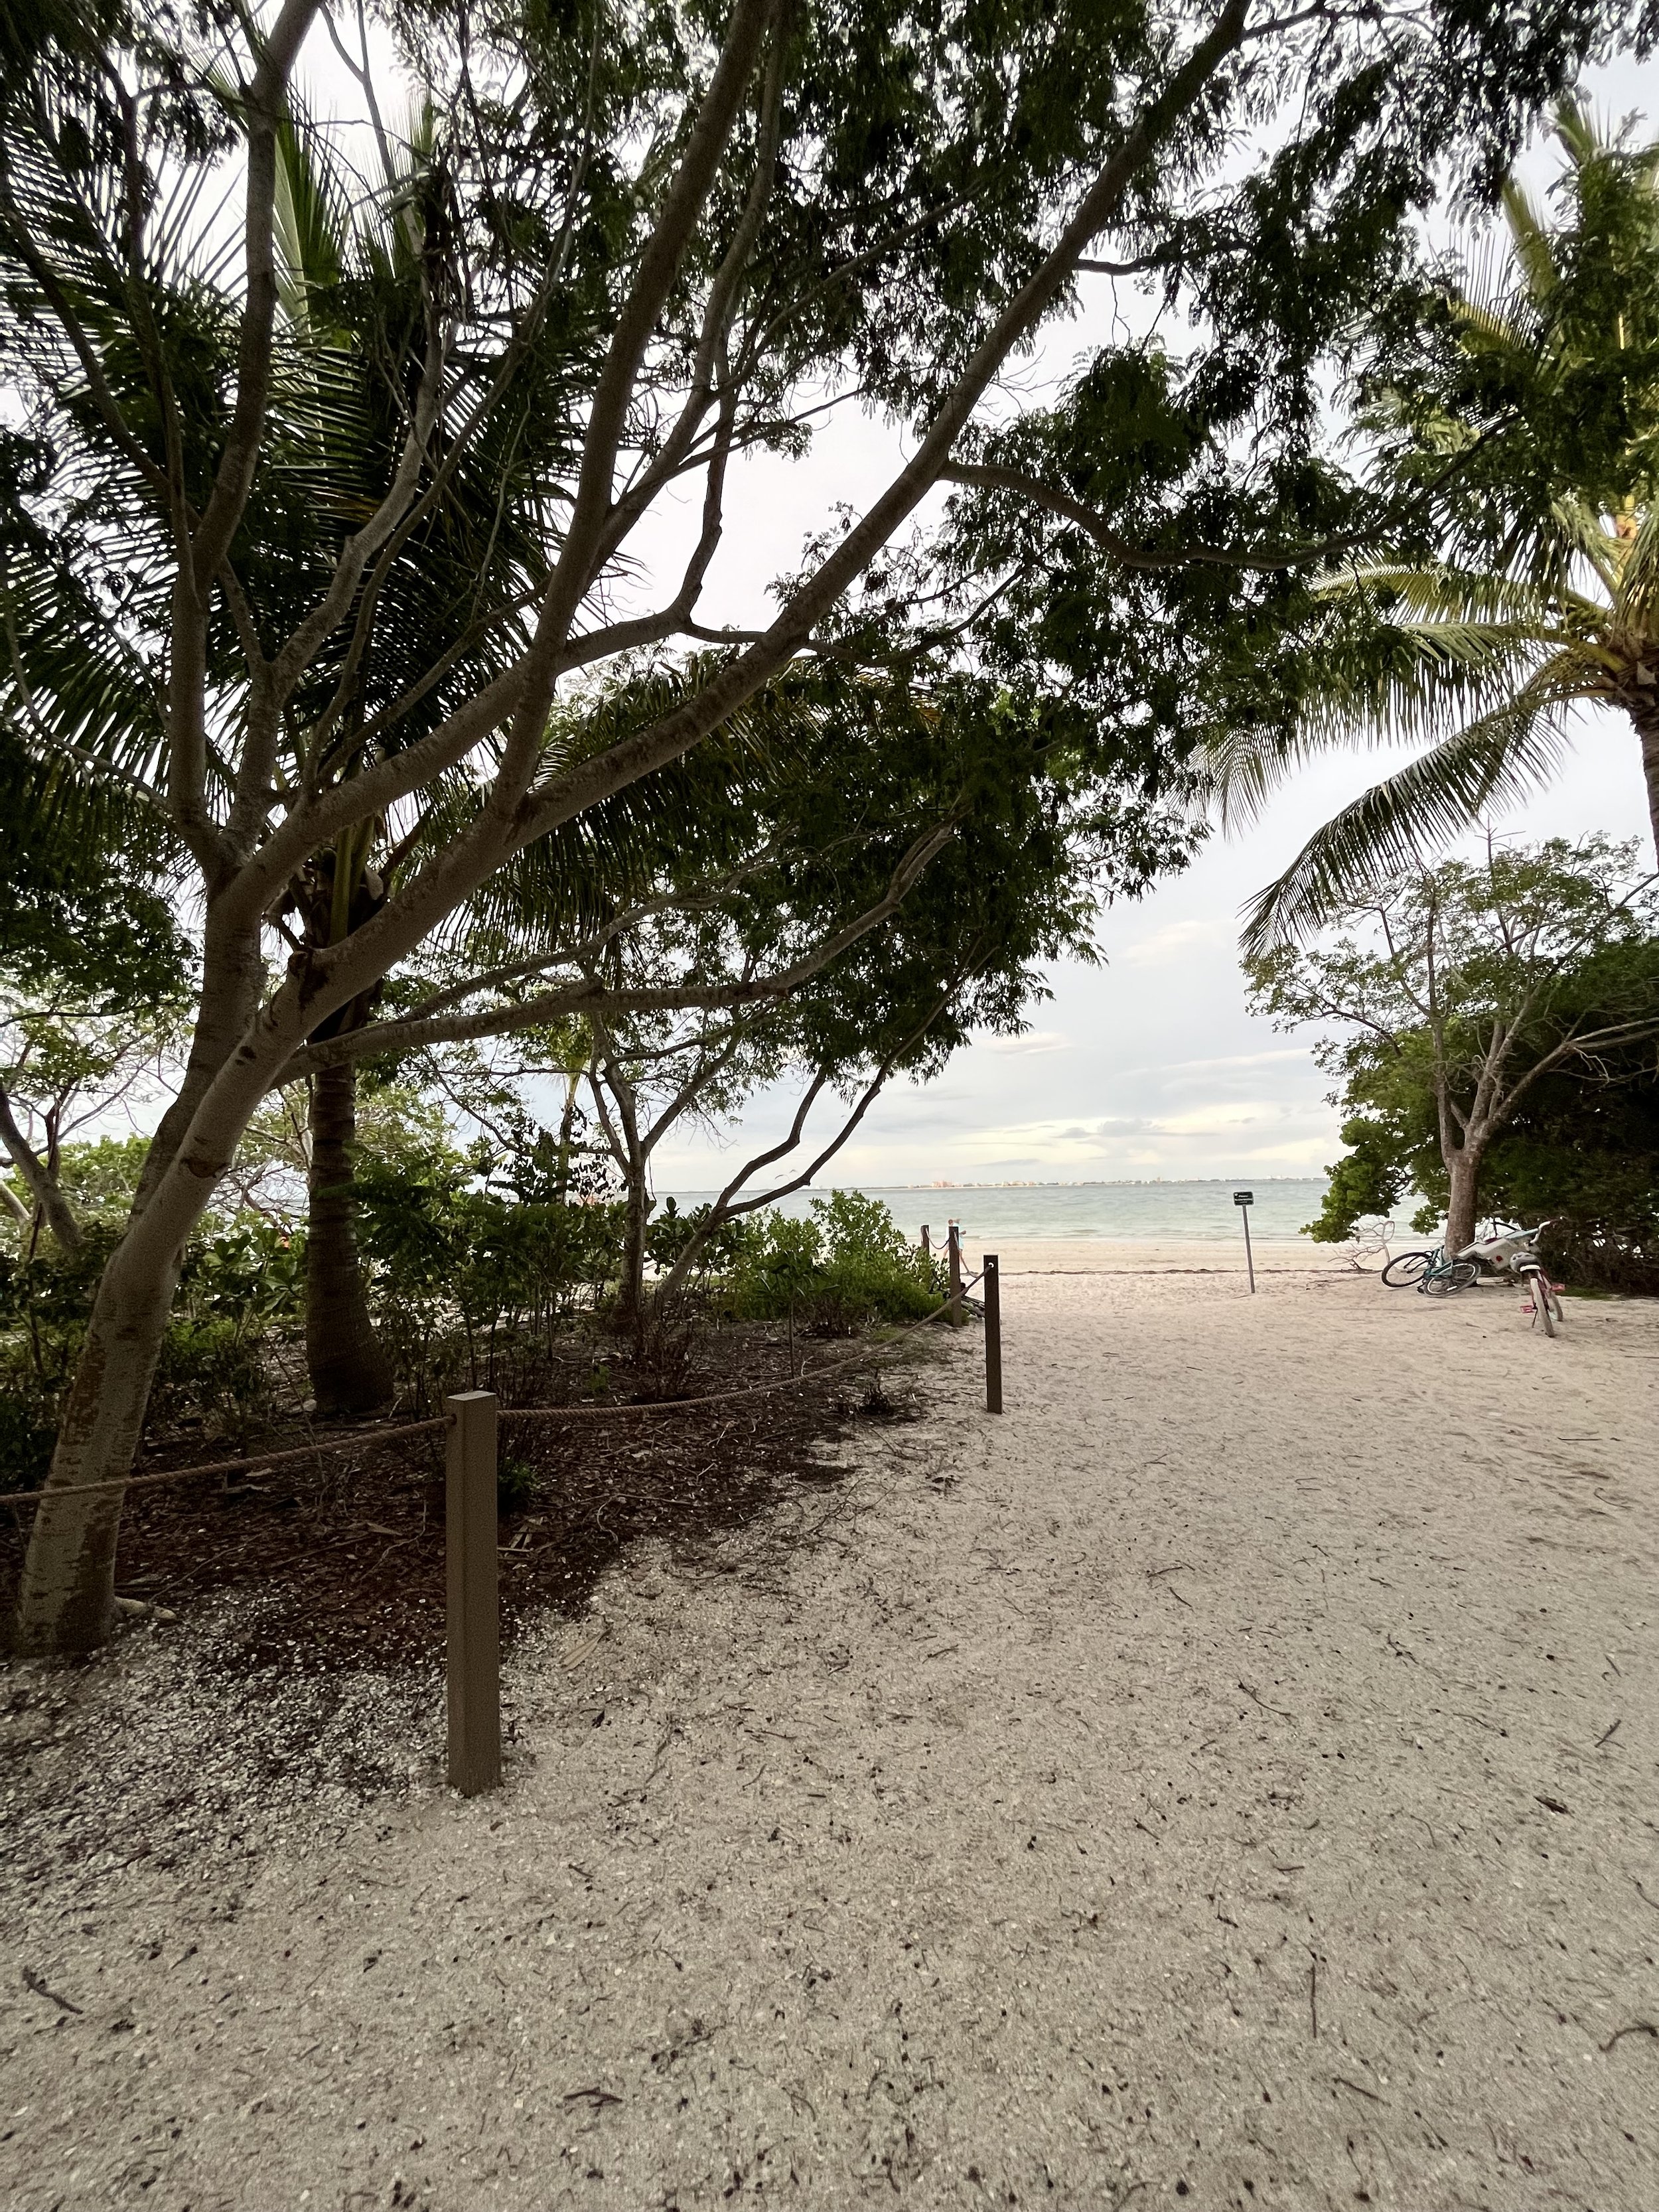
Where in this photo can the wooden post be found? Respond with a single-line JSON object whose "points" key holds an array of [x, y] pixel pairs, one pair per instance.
{"points": [[954, 1316], [926, 1246], [992, 1290], [474, 1620]]}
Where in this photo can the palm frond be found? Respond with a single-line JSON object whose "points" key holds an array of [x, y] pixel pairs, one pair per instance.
{"points": [[312, 219], [1443, 593], [1576, 130], [1583, 533], [1636, 601], [1531, 241], [1502, 757]]}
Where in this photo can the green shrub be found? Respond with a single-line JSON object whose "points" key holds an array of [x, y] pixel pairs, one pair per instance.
{"points": [[236, 1287], [668, 1233], [848, 1265], [215, 1371], [468, 1283], [27, 1432]]}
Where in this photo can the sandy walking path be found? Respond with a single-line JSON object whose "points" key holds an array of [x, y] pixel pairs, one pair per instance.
{"points": [[1228, 1780]]}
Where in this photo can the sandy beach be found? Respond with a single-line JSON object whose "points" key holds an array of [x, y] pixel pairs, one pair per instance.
{"points": [[1088, 1256], [1226, 1780]]}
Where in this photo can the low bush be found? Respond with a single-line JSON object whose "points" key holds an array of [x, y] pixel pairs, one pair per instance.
{"points": [[239, 1291], [847, 1266], [469, 1283]]}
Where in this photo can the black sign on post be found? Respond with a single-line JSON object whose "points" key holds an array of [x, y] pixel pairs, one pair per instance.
{"points": [[1245, 1200]]}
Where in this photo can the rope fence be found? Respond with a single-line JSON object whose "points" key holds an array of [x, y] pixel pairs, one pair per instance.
{"points": [[255, 1461], [472, 1422], [355, 1439]]}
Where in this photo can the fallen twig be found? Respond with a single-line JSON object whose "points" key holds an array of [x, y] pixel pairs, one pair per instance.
{"points": [[1359, 2088], [1262, 1702], [1635, 2027], [1611, 1733], [40, 1989]]}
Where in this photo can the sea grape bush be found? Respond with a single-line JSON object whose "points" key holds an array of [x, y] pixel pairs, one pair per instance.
{"points": [[848, 1265]]}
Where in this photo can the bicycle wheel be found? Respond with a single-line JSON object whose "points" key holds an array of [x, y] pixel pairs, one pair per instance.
{"points": [[1460, 1275], [1406, 1267], [1540, 1296]]}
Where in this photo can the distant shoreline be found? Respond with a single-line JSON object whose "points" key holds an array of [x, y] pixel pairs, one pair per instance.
{"points": [[1119, 1182], [1151, 1210]]}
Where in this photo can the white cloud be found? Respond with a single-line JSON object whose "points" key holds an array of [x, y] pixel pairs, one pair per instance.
{"points": [[1227, 1060], [1220, 1113], [1177, 940], [1030, 1040]]}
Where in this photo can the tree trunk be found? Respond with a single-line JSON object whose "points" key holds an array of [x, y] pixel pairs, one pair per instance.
{"points": [[66, 1596], [631, 1291], [40, 1177], [1463, 1173], [66, 1601], [1645, 716], [350, 1371]]}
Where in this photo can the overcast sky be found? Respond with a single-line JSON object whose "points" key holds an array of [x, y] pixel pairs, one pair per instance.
{"points": [[1149, 1066]]}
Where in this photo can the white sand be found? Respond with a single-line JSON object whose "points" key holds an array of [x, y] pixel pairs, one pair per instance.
{"points": [[1088, 1255], [1137, 1800]]}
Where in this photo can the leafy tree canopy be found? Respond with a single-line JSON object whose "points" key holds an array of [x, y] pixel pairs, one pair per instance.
{"points": [[1469, 1014]]}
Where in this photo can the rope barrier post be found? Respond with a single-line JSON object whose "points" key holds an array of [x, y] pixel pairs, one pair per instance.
{"points": [[993, 1294], [955, 1316], [474, 1605], [926, 1245]]}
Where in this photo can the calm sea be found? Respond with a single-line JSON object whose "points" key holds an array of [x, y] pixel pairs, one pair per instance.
{"points": [[1125, 1212]]}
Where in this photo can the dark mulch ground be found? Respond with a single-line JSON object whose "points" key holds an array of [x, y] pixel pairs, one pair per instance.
{"points": [[352, 1543]]}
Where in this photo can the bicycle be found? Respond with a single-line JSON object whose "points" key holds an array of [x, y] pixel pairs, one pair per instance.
{"points": [[1543, 1296], [1432, 1272]]}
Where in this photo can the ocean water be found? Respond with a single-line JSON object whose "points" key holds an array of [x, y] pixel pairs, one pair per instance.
{"points": [[1114, 1213]]}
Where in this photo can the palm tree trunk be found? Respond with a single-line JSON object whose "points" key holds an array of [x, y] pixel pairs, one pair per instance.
{"points": [[1645, 716], [350, 1371]]}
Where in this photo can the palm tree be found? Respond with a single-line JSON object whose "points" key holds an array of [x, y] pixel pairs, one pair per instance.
{"points": [[1527, 429]]}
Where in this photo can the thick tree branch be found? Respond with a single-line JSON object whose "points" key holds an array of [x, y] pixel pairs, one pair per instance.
{"points": [[677, 732], [659, 266], [589, 997]]}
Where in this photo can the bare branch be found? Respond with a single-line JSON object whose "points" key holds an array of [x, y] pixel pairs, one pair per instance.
{"points": [[43, 1187], [727, 1207], [590, 997]]}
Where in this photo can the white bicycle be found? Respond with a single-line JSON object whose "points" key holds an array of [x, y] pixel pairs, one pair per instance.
{"points": [[1543, 1296]]}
